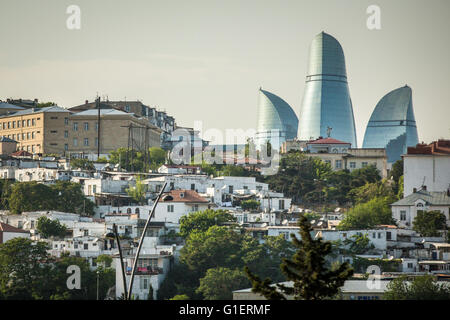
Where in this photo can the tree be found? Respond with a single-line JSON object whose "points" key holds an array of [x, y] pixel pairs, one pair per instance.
{"points": [[22, 268], [201, 221], [31, 196], [250, 204], [396, 173], [428, 223], [219, 283], [157, 157], [180, 297], [104, 260], [138, 191], [70, 198], [5, 191], [312, 280], [81, 163], [369, 191], [358, 244], [421, 288], [368, 215], [47, 228]]}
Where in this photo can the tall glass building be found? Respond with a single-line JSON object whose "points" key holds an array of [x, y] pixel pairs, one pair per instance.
{"points": [[392, 125], [277, 122], [326, 106]]}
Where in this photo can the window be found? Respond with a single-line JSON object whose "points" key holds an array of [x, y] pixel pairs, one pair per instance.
{"points": [[33, 122], [403, 215], [195, 207], [364, 164], [419, 205], [136, 211], [66, 121], [388, 235], [86, 232], [352, 165], [86, 126], [170, 208], [28, 122], [9, 124], [66, 147], [75, 142], [28, 136], [13, 124], [379, 235], [230, 189], [53, 131], [85, 246], [410, 265], [338, 164], [66, 134], [127, 108], [53, 118], [281, 204], [86, 141], [192, 186], [96, 126], [75, 126], [33, 135], [129, 210]]}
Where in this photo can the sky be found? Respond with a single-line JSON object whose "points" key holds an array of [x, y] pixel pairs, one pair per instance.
{"points": [[205, 60]]}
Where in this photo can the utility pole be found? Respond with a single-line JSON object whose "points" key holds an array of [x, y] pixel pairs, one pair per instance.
{"points": [[97, 101]]}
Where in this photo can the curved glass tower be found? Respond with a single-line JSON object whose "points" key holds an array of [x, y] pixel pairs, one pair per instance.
{"points": [[326, 100], [277, 122], [392, 124]]}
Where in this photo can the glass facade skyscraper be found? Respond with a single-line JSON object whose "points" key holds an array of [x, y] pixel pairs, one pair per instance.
{"points": [[277, 122], [392, 124], [326, 101]]}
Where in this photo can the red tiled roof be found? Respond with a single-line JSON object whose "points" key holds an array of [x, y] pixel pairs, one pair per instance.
{"points": [[188, 196], [440, 147], [327, 141], [21, 153], [8, 228]]}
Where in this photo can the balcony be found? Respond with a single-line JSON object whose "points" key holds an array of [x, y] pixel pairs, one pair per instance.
{"points": [[145, 271]]}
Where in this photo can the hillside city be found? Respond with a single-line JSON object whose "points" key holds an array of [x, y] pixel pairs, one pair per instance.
{"points": [[119, 190]]}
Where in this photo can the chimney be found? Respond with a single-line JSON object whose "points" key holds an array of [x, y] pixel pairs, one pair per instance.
{"points": [[414, 190], [424, 188], [86, 102], [448, 192]]}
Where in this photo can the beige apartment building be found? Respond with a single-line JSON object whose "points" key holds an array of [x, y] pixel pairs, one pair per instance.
{"points": [[36, 130], [55, 130], [118, 129]]}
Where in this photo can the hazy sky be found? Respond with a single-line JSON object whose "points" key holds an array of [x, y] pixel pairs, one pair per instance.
{"points": [[205, 60]]}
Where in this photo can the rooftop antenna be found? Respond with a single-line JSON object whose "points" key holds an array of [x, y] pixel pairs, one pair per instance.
{"points": [[329, 131]]}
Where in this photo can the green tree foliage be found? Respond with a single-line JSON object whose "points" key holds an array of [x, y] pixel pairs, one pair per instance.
{"points": [[201, 221], [61, 196], [369, 191], [5, 191], [250, 204], [428, 223], [80, 163], [180, 297], [420, 288], [361, 264], [218, 246], [157, 157], [28, 272], [396, 173], [138, 191], [222, 247], [296, 174], [219, 283], [136, 159], [50, 228], [104, 260], [358, 244], [312, 280], [22, 267], [368, 215]]}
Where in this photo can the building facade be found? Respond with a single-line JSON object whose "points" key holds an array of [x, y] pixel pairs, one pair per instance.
{"points": [[392, 124], [277, 122], [427, 165], [326, 101]]}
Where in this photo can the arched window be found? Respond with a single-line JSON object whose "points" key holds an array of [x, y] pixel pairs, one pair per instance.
{"points": [[128, 210], [136, 210], [420, 205]]}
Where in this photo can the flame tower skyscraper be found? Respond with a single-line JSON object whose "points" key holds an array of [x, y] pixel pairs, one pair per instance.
{"points": [[326, 106]]}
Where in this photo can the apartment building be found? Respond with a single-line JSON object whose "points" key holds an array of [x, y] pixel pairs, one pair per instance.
{"points": [[117, 130], [36, 130], [55, 130]]}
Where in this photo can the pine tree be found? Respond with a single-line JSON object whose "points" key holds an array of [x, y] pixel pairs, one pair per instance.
{"points": [[307, 270]]}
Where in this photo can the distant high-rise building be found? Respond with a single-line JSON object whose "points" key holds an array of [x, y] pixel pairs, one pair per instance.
{"points": [[392, 125], [277, 122], [326, 107]]}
